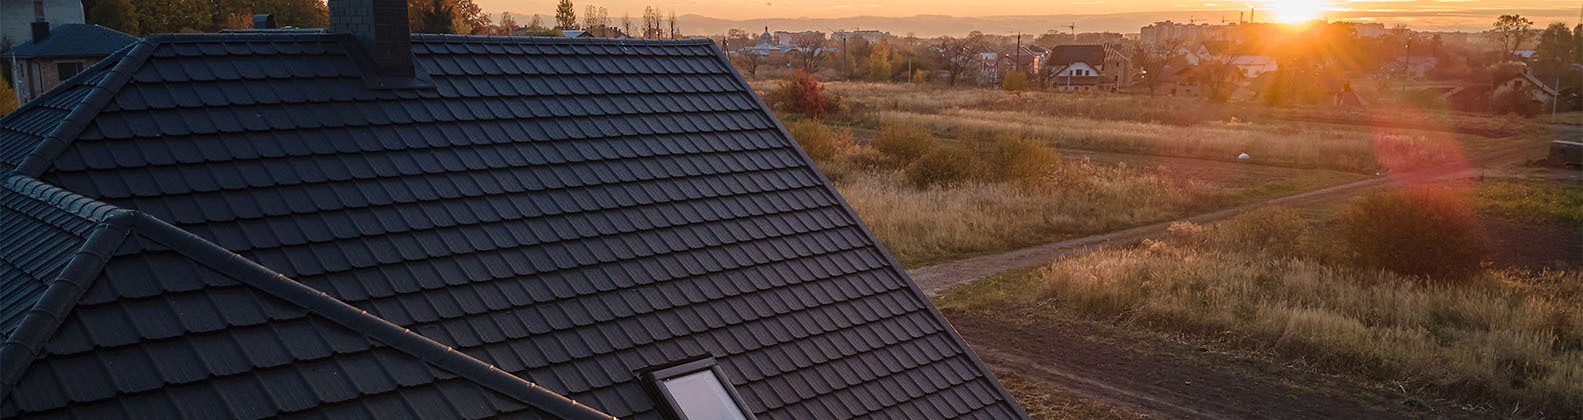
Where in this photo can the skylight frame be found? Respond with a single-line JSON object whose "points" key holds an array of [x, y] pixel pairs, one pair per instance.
{"points": [[655, 379]]}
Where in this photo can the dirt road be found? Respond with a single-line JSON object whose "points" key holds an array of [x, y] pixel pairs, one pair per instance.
{"points": [[935, 278]]}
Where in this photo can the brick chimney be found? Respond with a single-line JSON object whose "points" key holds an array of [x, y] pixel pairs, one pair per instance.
{"points": [[381, 27]]}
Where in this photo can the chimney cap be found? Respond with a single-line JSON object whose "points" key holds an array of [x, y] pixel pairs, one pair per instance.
{"points": [[263, 21]]}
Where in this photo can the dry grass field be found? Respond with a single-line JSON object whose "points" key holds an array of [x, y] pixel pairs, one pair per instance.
{"points": [[1509, 338]]}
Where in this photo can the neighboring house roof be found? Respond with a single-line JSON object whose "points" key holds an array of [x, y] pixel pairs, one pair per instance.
{"points": [[1067, 54], [574, 33], [568, 211], [73, 40]]}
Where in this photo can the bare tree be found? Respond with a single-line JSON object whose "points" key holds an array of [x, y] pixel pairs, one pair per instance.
{"points": [[808, 51], [676, 32], [956, 56], [1153, 58], [626, 24], [651, 22], [748, 60]]}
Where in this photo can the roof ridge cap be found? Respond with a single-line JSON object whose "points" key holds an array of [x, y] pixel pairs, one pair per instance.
{"points": [[56, 141], [63, 199], [429, 351]]}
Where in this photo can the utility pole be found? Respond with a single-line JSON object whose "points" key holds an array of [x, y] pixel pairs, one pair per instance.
{"points": [[1017, 55]]}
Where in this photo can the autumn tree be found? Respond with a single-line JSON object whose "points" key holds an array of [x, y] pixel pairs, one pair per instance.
{"points": [[440, 18], [507, 24], [565, 15], [120, 15], [1512, 30], [879, 62], [7, 95]]}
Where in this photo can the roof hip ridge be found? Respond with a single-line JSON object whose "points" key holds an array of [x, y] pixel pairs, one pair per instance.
{"points": [[99, 95]]}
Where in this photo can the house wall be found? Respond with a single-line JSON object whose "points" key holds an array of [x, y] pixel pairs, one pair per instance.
{"points": [[1078, 69], [31, 78]]}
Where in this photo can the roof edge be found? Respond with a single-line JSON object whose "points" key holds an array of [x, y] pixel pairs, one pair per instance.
{"points": [[315, 301], [60, 297], [77, 204], [55, 143], [895, 266]]}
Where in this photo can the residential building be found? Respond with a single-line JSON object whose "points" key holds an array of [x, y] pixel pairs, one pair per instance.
{"points": [[789, 39], [57, 54], [866, 35], [1253, 66], [18, 16], [1080, 68], [365, 223]]}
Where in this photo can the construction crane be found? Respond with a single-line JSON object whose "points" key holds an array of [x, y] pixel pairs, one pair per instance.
{"points": [[1073, 27]]}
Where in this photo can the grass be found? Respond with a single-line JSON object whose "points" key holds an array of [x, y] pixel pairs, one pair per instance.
{"points": [[1513, 338], [1535, 202]]}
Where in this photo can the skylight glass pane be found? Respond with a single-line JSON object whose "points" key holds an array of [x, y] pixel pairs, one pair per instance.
{"points": [[701, 396]]}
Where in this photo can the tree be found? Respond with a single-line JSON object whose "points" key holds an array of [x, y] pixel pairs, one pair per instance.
{"points": [[808, 51], [565, 15], [507, 24], [749, 61], [626, 24], [8, 95], [440, 19], [120, 15], [596, 20], [1219, 77], [298, 13], [1555, 52], [676, 31], [956, 56], [1153, 58], [1513, 32], [651, 23], [879, 62]]}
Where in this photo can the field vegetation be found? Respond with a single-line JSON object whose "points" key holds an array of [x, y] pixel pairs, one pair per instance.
{"points": [[1275, 282], [932, 200]]}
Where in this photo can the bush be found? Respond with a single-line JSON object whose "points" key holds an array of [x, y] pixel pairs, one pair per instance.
{"points": [[943, 167], [1015, 158], [1420, 231], [903, 144], [1014, 82], [819, 140], [802, 93], [1272, 230]]}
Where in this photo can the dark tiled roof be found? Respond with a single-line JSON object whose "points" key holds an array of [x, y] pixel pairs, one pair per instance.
{"points": [[143, 320], [73, 40], [1067, 54], [569, 211]]}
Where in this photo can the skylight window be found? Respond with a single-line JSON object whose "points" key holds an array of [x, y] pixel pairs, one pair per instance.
{"points": [[698, 390]]}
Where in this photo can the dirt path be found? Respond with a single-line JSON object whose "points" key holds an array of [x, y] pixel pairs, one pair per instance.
{"points": [[935, 278], [1155, 378]]}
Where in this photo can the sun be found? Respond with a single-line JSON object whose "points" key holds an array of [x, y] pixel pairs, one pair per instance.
{"points": [[1297, 11]]}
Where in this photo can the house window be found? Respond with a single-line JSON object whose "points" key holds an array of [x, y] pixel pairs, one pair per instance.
{"points": [[66, 69], [697, 390]]}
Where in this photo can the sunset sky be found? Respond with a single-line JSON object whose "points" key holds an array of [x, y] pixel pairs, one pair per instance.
{"points": [[1422, 14]]}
